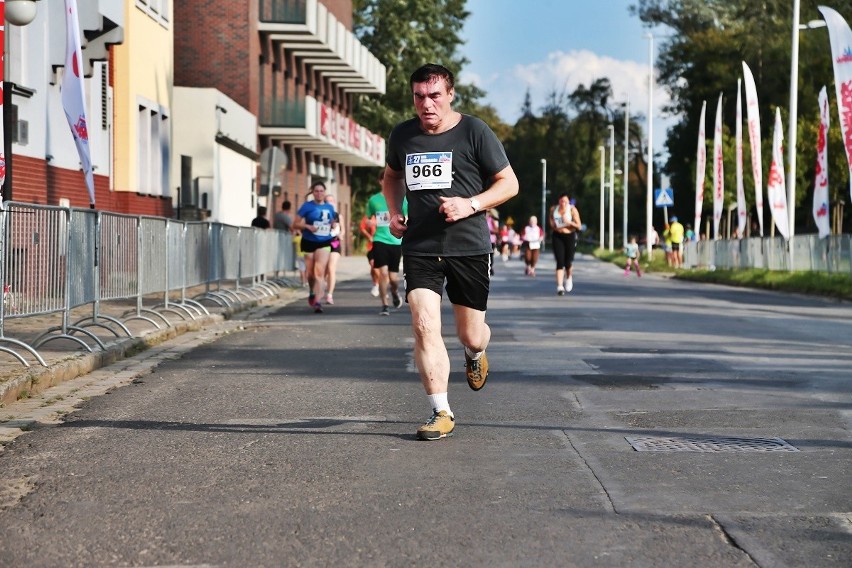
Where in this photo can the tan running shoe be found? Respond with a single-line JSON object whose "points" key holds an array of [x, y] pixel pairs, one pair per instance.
{"points": [[476, 370], [439, 426]]}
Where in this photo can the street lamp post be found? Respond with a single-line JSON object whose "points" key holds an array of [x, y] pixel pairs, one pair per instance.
{"points": [[611, 187], [794, 113], [603, 161], [541, 222], [626, 175], [649, 202]]}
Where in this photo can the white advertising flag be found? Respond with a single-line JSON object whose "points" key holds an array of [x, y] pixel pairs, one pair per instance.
{"points": [[754, 139], [821, 178], [840, 37], [700, 169], [74, 95], [718, 172], [776, 189], [741, 204]]}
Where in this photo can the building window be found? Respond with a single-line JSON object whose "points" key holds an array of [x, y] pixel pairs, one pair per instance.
{"points": [[153, 151], [156, 9]]}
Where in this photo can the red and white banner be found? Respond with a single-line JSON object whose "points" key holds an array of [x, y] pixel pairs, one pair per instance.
{"points": [[2, 133], [343, 132], [700, 169], [821, 177], [840, 37], [718, 172], [776, 189], [741, 204], [753, 117], [74, 95]]}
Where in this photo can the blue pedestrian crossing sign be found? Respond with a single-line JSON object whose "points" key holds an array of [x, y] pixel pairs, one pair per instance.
{"points": [[664, 197]]}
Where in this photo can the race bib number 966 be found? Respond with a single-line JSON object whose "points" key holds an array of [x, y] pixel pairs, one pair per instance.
{"points": [[429, 170]]}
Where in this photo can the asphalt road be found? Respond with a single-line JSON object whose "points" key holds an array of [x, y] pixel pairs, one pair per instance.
{"points": [[289, 440]]}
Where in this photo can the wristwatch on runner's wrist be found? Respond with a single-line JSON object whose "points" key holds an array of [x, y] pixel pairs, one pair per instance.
{"points": [[474, 202]]}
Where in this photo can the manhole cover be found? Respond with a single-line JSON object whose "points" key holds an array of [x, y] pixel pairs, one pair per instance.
{"points": [[707, 444]]}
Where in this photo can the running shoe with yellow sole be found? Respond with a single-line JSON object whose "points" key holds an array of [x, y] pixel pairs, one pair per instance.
{"points": [[476, 371], [439, 426]]}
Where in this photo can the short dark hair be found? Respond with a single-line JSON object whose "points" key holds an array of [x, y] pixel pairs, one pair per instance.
{"points": [[286, 205], [432, 71]]}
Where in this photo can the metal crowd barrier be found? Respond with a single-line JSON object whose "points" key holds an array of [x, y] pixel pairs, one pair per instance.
{"points": [[831, 254], [56, 259]]}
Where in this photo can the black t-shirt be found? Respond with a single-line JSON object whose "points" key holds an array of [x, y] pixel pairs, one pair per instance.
{"points": [[456, 163], [261, 222]]}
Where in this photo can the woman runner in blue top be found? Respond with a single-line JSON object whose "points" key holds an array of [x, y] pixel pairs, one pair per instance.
{"points": [[315, 219]]}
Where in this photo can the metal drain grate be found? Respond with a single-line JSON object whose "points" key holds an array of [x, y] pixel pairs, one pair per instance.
{"points": [[708, 444]]}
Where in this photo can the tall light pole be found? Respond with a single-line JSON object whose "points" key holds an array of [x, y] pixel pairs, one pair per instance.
{"points": [[626, 171], [649, 190], [794, 112], [603, 161], [542, 222], [611, 187]]}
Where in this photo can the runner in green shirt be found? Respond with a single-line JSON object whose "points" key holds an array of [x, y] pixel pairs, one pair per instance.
{"points": [[387, 249]]}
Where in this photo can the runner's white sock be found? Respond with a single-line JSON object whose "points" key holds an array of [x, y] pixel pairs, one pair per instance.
{"points": [[439, 402], [473, 354]]}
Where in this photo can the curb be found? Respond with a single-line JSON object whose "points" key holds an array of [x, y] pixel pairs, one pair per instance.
{"points": [[35, 380], [31, 381]]}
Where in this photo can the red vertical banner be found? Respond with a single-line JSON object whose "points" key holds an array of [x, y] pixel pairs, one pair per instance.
{"points": [[776, 187], [741, 202], [753, 119], [840, 38], [820, 206], [700, 169], [2, 85], [718, 173]]}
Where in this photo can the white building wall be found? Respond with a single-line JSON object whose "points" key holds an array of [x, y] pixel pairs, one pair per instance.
{"points": [[234, 201], [226, 176], [47, 128]]}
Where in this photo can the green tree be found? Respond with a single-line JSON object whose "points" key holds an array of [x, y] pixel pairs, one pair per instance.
{"points": [[568, 131], [403, 35], [703, 57]]}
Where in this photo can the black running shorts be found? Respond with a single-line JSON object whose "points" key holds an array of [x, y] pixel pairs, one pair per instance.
{"points": [[387, 255], [467, 277], [308, 247]]}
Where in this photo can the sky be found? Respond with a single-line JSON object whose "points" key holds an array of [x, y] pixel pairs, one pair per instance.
{"points": [[547, 45]]}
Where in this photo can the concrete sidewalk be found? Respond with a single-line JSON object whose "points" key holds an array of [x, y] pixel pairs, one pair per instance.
{"points": [[67, 359]]}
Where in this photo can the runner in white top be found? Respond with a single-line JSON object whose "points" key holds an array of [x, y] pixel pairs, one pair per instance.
{"points": [[533, 237]]}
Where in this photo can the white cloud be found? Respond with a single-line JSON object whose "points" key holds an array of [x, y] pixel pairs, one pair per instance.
{"points": [[566, 71]]}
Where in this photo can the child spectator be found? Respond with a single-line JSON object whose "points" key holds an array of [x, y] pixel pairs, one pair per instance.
{"points": [[631, 250]]}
